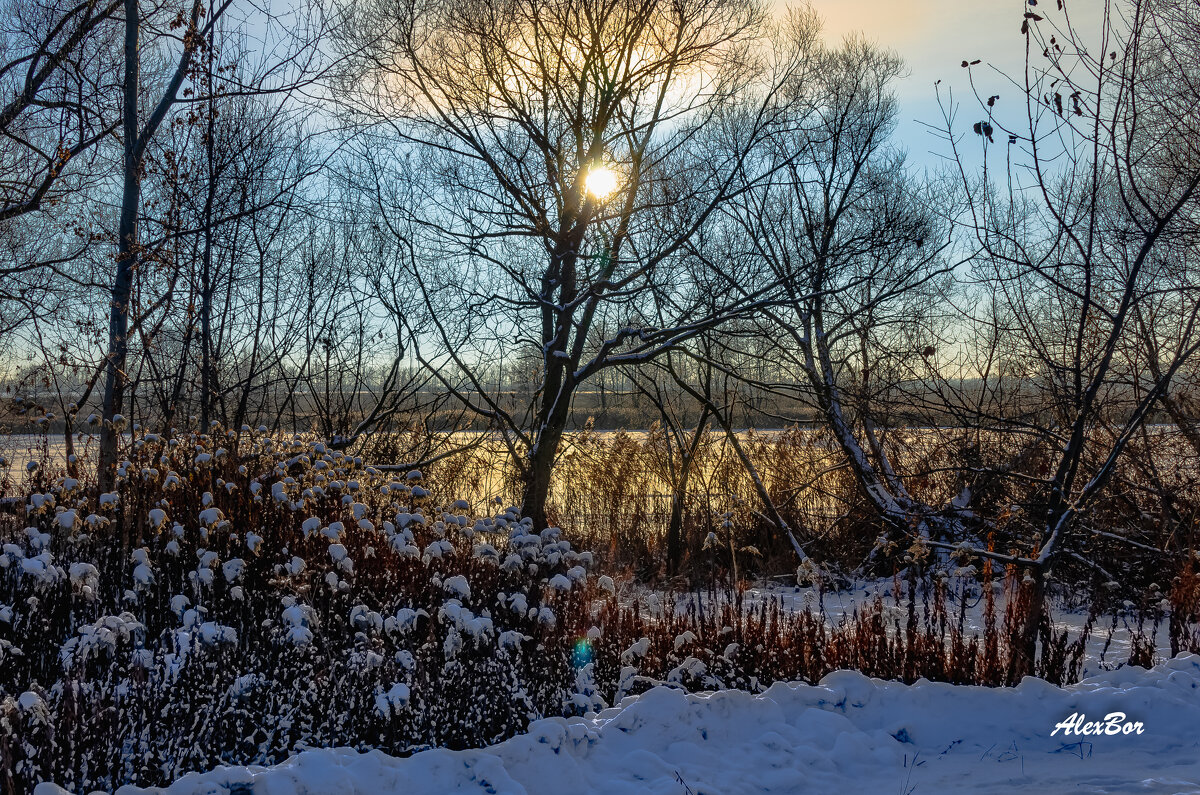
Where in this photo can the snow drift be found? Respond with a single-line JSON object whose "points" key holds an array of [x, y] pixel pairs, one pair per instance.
{"points": [[847, 734]]}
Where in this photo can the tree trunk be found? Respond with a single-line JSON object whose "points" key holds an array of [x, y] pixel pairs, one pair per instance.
{"points": [[206, 279], [553, 413], [687, 461], [118, 315], [1026, 652], [675, 531], [541, 469]]}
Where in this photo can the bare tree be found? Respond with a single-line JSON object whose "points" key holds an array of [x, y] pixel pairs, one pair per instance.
{"points": [[856, 245], [57, 97], [548, 162], [57, 106], [199, 82], [137, 134], [1105, 177]]}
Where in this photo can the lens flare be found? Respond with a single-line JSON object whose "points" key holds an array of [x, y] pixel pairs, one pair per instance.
{"points": [[581, 654]]}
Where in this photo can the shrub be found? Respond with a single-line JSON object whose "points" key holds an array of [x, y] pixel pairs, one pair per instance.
{"points": [[235, 601], [219, 608]]}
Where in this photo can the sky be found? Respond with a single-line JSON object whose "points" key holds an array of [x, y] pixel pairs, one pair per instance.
{"points": [[934, 37]]}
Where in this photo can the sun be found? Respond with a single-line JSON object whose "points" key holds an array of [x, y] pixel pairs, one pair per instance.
{"points": [[601, 182]]}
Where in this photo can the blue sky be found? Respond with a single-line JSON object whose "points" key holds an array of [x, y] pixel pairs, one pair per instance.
{"points": [[934, 37]]}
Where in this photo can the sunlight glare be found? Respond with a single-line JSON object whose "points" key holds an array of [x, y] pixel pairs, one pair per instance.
{"points": [[601, 182]]}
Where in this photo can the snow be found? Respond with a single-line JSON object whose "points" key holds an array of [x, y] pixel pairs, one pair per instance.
{"points": [[84, 574], [300, 636], [363, 618], [405, 620], [143, 576], [31, 702], [637, 650], [480, 628], [179, 603], [684, 639], [394, 700], [847, 734], [457, 586], [232, 569], [41, 567], [214, 633]]}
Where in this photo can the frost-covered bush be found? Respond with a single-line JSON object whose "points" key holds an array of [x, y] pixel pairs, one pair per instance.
{"points": [[221, 608]]}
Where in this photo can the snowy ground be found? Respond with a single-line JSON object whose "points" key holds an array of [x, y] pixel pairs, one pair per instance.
{"points": [[847, 734]]}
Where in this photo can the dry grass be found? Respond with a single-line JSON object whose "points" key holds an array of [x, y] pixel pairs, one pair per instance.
{"points": [[612, 492]]}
